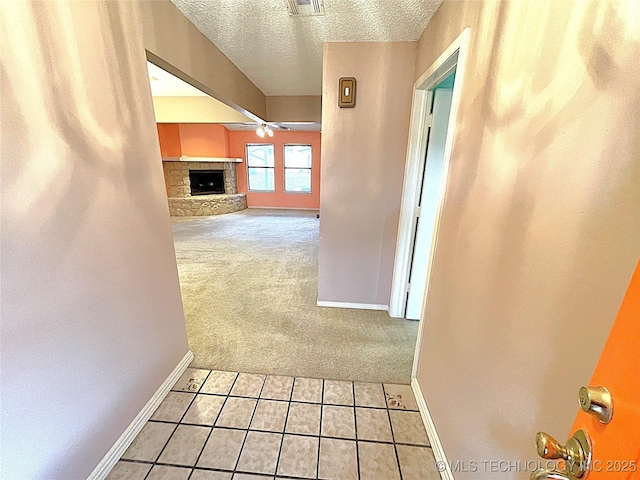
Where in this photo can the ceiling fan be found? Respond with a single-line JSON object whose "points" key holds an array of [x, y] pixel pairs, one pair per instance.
{"points": [[262, 128]]}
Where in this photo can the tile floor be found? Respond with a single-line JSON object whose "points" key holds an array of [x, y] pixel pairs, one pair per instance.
{"points": [[227, 426]]}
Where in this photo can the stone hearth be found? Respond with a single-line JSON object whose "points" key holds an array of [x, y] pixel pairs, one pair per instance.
{"points": [[183, 204], [207, 205]]}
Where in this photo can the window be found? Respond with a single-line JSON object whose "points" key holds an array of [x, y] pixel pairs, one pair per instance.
{"points": [[297, 168], [260, 165]]}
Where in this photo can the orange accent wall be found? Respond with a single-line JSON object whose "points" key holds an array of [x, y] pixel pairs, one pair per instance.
{"points": [[204, 140], [193, 140], [616, 446], [169, 138], [279, 198]]}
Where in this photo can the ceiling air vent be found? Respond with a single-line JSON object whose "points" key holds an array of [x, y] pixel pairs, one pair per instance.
{"points": [[305, 8]]}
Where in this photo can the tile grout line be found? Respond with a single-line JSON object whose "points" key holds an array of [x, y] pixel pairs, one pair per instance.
{"points": [[177, 425], [355, 427], [284, 427], [395, 448], [244, 441], [164, 446], [294, 401], [307, 435], [320, 431], [185, 414], [214, 422]]}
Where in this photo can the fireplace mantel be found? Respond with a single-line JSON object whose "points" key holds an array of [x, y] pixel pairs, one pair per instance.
{"points": [[184, 158]]}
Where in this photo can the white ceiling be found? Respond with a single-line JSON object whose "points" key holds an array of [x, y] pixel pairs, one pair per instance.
{"points": [[170, 106], [282, 55], [163, 84], [176, 101]]}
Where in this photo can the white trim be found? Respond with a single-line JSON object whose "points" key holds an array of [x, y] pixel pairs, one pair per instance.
{"points": [[421, 105], [284, 168], [113, 455], [184, 158], [461, 45], [248, 167], [422, 98], [285, 208], [434, 439], [360, 306]]}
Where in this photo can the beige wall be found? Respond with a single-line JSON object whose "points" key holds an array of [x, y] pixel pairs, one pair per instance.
{"points": [[363, 157], [301, 108], [92, 319], [195, 110], [541, 223], [176, 45]]}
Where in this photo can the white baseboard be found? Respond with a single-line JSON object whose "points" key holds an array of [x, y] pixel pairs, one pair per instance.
{"points": [[436, 446], [359, 306], [115, 452]]}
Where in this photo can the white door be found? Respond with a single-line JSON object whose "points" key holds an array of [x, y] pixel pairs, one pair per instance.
{"points": [[430, 192]]}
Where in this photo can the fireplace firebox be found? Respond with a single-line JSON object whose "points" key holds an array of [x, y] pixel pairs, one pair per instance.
{"points": [[205, 182]]}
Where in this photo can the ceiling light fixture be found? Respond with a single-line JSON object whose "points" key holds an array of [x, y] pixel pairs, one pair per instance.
{"points": [[263, 130]]}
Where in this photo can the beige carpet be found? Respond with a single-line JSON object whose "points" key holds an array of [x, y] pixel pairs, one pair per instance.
{"points": [[249, 288]]}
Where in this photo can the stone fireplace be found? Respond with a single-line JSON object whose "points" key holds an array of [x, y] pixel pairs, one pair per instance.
{"points": [[198, 187]]}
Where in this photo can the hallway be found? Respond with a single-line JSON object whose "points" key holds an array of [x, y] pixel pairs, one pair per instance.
{"points": [[249, 286]]}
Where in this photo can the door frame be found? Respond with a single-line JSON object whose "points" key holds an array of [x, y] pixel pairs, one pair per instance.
{"points": [[455, 56]]}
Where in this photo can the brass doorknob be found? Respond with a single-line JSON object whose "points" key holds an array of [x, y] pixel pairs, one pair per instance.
{"points": [[576, 454], [549, 447]]}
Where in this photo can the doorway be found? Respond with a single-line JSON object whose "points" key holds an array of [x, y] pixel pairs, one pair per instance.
{"points": [[432, 173], [435, 100], [249, 278]]}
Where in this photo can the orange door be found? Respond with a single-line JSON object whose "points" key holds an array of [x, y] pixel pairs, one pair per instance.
{"points": [[616, 445]]}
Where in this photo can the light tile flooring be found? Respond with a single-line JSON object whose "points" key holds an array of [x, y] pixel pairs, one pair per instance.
{"points": [[227, 426]]}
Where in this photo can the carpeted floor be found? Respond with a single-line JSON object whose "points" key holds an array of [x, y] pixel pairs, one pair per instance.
{"points": [[249, 288]]}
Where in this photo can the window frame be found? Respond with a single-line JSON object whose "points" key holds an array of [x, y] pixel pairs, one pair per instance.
{"points": [[246, 154], [284, 168]]}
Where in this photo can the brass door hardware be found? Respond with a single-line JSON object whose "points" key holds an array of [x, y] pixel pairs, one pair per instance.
{"points": [[576, 455], [596, 401], [545, 474]]}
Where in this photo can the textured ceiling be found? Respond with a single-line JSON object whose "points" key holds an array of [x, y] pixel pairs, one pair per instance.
{"points": [[282, 55]]}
